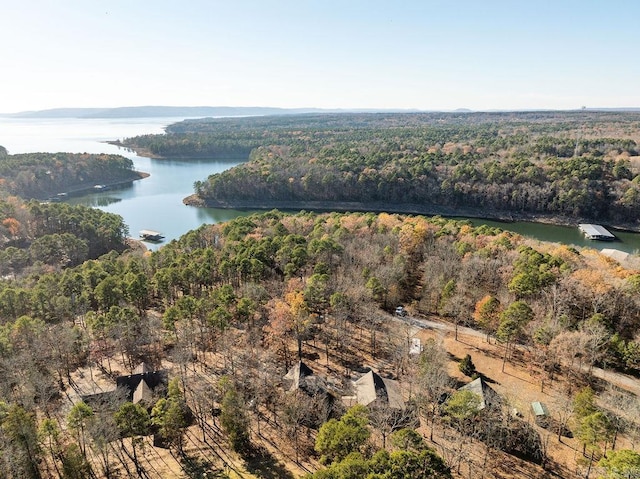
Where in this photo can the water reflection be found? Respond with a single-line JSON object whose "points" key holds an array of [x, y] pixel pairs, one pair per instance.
{"points": [[97, 201], [216, 215], [626, 241]]}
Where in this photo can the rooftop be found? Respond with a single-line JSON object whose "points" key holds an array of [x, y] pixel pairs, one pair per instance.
{"points": [[372, 387], [595, 231], [539, 409]]}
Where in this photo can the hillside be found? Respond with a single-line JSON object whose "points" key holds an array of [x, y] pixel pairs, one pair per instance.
{"points": [[45, 175], [220, 316], [570, 166]]}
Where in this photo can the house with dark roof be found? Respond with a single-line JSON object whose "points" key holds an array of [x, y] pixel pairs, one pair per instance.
{"points": [[141, 385], [138, 387], [301, 377]]}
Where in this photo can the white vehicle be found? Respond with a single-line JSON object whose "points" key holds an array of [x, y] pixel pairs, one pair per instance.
{"points": [[400, 311]]}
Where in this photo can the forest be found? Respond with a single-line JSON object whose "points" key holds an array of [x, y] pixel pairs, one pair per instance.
{"points": [[565, 166], [223, 314], [46, 175], [36, 236], [328, 345]]}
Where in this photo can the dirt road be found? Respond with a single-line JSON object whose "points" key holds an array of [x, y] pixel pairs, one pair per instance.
{"points": [[624, 381]]}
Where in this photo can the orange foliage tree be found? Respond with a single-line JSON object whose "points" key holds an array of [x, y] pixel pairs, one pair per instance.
{"points": [[12, 225], [487, 314]]}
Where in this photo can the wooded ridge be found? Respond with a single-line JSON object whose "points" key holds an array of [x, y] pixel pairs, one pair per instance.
{"points": [[287, 345], [578, 165], [45, 175]]}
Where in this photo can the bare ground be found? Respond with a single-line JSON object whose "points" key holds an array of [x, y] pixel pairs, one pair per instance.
{"points": [[206, 448]]}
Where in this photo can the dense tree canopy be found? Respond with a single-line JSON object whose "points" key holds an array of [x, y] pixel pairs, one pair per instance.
{"points": [[41, 175], [246, 299], [55, 234], [501, 164], [252, 291]]}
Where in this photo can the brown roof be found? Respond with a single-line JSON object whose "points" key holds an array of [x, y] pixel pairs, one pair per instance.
{"points": [[142, 368], [143, 393], [151, 379]]}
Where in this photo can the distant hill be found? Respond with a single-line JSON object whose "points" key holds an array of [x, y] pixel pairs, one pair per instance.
{"points": [[226, 111], [183, 111], [159, 111]]}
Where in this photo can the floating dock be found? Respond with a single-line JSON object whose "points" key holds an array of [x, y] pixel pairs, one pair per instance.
{"points": [[150, 235], [596, 232]]}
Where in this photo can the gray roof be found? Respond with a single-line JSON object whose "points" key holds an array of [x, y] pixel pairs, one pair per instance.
{"points": [[372, 387], [488, 396], [595, 231], [302, 377]]}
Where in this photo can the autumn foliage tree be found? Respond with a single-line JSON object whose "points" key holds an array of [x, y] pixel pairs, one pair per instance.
{"points": [[487, 314], [290, 319]]}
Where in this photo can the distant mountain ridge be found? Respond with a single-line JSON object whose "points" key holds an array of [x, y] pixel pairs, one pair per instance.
{"points": [[160, 111], [227, 111]]}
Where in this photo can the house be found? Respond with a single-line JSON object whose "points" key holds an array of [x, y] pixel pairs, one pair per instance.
{"points": [[488, 396], [141, 385], [138, 387], [301, 377], [372, 389]]}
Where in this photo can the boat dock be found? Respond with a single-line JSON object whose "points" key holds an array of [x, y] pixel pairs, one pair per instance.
{"points": [[596, 232], [150, 235]]}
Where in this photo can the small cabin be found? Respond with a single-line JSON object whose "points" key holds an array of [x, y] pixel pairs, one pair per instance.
{"points": [[488, 396]]}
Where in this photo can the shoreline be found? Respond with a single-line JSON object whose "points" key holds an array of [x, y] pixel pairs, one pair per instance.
{"points": [[399, 208], [145, 152], [84, 188], [379, 207]]}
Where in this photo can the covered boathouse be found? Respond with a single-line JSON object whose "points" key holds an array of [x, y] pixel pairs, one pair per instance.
{"points": [[150, 235], [596, 232]]}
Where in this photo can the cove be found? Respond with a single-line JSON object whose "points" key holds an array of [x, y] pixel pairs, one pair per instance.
{"points": [[155, 202]]}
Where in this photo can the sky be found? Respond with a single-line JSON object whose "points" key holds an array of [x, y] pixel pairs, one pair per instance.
{"points": [[407, 54]]}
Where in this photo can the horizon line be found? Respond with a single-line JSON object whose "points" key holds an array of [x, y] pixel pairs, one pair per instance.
{"points": [[322, 109]]}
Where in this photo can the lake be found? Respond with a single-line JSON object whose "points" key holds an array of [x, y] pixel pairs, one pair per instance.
{"points": [[155, 202]]}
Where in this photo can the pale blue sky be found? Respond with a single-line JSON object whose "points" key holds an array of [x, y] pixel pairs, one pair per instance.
{"points": [[429, 54]]}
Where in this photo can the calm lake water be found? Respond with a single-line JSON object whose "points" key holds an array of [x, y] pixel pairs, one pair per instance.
{"points": [[155, 202]]}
